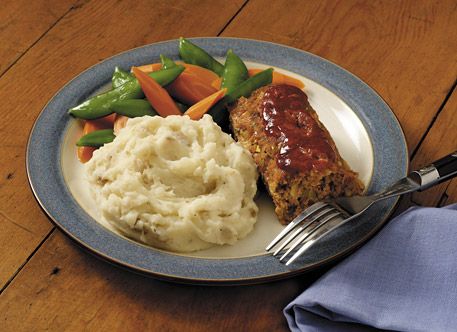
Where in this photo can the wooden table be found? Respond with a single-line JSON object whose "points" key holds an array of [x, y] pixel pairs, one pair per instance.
{"points": [[406, 50]]}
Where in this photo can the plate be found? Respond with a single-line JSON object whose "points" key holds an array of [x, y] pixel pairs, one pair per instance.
{"points": [[364, 128]]}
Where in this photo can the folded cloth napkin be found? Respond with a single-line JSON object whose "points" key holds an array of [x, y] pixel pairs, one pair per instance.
{"points": [[404, 279]]}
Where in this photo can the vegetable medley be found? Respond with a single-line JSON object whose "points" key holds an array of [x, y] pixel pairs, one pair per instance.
{"points": [[198, 85]]}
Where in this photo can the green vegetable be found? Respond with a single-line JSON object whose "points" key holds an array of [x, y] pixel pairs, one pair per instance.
{"points": [[235, 72], [245, 89], [218, 111], [193, 54], [120, 77], [133, 108], [166, 62], [100, 105], [97, 138]]}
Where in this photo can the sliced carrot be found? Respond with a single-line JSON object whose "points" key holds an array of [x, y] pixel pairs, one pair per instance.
{"points": [[204, 74], [217, 83], [190, 88], [279, 78], [193, 85], [150, 67], [120, 123], [157, 96], [85, 152], [197, 110]]}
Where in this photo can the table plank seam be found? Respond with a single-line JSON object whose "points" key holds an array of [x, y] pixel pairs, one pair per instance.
{"points": [[432, 122], [232, 18], [13, 276]]}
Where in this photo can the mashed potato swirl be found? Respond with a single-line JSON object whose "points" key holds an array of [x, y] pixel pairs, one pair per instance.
{"points": [[175, 183]]}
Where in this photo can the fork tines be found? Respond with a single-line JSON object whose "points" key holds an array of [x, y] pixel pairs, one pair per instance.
{"points": [[309, 226]]}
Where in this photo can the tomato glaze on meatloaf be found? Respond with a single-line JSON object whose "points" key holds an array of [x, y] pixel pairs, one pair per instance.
{"points": [[294, 152]]}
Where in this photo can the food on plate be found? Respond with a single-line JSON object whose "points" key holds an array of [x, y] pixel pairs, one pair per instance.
{"points": [[178, 182], [294, 152], [175, 183], [101, 105], [193, 54]]}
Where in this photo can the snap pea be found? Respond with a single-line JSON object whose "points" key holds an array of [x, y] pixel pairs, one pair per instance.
{"points": [[100, 105], [235, 72], [218, 112], [193, 54], [133, 108], [248, 86], [120, 77], [166, 62], [96, 138]]}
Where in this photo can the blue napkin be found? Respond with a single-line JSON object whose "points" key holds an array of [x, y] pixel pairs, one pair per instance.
{"points": [[404, 279]]}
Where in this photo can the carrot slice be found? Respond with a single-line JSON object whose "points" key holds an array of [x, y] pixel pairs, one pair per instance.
{"points": [[84, 153], [217, 83], [279, 78], [150, 67], [197, 110], [205, 75], [190, 88], [119, 123], [193, 85], [157, 96]]}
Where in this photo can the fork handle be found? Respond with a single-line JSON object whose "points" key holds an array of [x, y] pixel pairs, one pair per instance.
{"points": [[441, 170]]}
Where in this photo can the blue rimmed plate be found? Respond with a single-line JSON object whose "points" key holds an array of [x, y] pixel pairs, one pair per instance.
{"points": [[365, 130]]}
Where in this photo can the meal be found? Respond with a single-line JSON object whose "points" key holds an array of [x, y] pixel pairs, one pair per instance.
{"points": [[295, 154], [175, 183], [179, 182]]}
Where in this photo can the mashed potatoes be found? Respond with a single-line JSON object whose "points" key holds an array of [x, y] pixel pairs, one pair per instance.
{"points": [[175, 183]]}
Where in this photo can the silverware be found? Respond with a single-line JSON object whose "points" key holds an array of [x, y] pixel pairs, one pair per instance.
{"points": [[321, 218]]}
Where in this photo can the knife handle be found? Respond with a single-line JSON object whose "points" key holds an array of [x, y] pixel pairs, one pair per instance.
{"points": [[439, 171]]}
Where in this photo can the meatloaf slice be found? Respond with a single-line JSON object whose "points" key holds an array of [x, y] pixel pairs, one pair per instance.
{"points": [[294, 152]]}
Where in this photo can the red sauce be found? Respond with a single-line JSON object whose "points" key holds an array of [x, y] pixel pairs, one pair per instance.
{"points": [[303, 144]]}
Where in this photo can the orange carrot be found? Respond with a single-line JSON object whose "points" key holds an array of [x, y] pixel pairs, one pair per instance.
{"points": [[157, 96], [150, 67], [217, 83], [85, 152], [279, 78], [190, 88], [193, 85], [197, 110], [119, 123], [204, 74]]}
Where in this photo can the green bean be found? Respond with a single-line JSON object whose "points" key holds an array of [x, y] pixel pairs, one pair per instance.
{"points": [[218, 112], [235, 72], [167, 63], [120, 77], [193, 54], [96, 138], [245, 89], [100, 105], [133, 108]]}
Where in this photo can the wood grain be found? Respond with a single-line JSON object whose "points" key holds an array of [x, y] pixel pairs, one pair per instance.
{"points": [[86, 35], [23, 22], [405, 50], [64, 288], [440, 141]]}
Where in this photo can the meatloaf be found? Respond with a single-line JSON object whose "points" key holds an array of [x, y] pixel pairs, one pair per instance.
{"points": [[294, 152]]}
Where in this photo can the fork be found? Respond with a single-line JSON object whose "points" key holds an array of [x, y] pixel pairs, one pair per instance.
{"points": [[323, 217]]}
